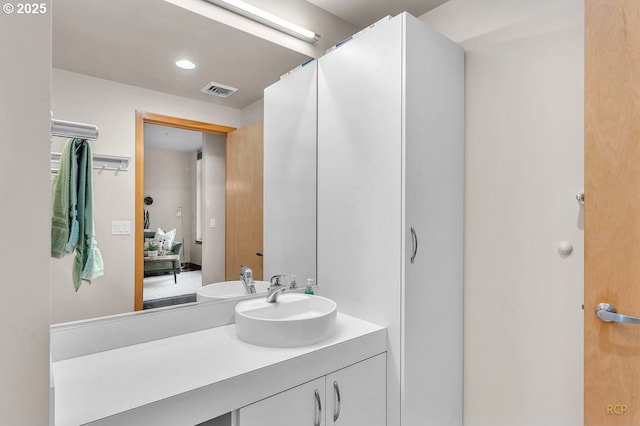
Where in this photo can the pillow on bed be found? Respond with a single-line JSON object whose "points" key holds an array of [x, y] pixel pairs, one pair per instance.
{"points": [[166, 238]]}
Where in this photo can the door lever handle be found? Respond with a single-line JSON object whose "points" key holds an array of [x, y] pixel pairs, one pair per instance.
{"points": [[607, 313]]}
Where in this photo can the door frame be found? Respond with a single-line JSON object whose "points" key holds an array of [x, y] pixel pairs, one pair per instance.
{"points": [[142, 118]]}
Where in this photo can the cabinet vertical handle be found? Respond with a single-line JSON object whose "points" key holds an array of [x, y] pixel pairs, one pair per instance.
{"points": [[318, 409], [336, 412], [414, 244]]}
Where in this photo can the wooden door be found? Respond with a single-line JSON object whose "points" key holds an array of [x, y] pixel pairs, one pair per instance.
{"points": [[612, 210], [244, 201]]}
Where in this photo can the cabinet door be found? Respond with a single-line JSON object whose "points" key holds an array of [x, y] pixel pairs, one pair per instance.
{"points": [[356, 395], [360, 183], [434, 167], [303, 405], [359, 174], [290, 175]]}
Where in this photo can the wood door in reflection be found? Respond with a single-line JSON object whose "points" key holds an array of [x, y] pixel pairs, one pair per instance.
{"points": [[244, 201]]}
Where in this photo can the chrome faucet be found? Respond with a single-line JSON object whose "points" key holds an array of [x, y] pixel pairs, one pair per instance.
{"points": [[275, 289], [246, 277]]}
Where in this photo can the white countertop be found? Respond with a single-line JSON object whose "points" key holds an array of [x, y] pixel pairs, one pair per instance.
{"points": [[193, 377]]}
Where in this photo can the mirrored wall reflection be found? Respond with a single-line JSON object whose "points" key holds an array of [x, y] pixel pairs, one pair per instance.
{"points": [[219, 178], [140, 78], [173, 190]]}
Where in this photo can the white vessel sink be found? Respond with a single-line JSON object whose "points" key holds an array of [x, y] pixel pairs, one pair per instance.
{"points": [[294, 320], [227, 290]]}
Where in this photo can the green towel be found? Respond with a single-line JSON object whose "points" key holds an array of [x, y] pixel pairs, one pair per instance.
{"points": [[88, 262], [61, 206], [72, 226], [73, 200]]}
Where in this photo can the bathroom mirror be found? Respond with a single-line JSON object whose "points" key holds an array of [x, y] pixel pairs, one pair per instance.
{"points": [[112, 59]]}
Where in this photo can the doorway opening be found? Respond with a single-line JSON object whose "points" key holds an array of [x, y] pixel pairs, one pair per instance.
{"points": [[172, 214], [174, 253]]}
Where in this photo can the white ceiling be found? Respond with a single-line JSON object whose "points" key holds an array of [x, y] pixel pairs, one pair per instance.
{"points": [[363, 13], [138, 42]]}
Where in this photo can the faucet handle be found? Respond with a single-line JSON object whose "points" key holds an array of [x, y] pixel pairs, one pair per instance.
{"points": [[275, 280], [245, 271]]}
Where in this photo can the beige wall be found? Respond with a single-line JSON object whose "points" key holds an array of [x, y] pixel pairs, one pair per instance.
{"points": [[112, 106], [524, 165], [213, 200], [253, 113], [24, 172], [195, 249]]}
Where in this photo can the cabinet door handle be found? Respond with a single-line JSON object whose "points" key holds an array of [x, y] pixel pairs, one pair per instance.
{"points": [[414, 244], [318, 409], [336, 412]]}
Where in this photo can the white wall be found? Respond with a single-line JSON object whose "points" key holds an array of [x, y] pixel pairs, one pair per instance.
{"points": [[112, 107], [252, 113], [195, 254], [214, 181], [167, 179], [24, 191], [524, 165]]}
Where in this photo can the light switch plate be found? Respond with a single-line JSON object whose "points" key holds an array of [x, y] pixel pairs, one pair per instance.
{"points": [[120, 227]]}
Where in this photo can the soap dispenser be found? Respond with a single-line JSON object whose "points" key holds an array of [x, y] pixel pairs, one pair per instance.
{"points": [[293, 283], [309, 289]]}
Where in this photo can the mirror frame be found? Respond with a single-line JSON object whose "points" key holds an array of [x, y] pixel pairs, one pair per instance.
{"points": [[141, 119]]}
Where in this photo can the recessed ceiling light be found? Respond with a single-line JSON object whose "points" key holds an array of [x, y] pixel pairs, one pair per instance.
{"points": [[185, 64]]}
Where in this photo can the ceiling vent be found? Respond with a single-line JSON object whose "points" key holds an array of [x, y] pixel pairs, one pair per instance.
{"points": [[217, 89]]}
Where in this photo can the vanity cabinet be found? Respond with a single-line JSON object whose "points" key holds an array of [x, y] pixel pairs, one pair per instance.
{"points": [[353, 396], [390, 206], [218, 373]]}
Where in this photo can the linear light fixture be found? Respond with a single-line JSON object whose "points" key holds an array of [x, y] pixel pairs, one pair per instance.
{"points": [[249, 11]]}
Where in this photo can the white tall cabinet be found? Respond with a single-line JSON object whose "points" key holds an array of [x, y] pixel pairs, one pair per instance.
{"points": [[289, 239], [390, 206]]}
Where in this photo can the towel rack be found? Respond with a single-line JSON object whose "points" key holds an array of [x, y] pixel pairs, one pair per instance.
{"points": [[100, 162], [70, 129]]}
